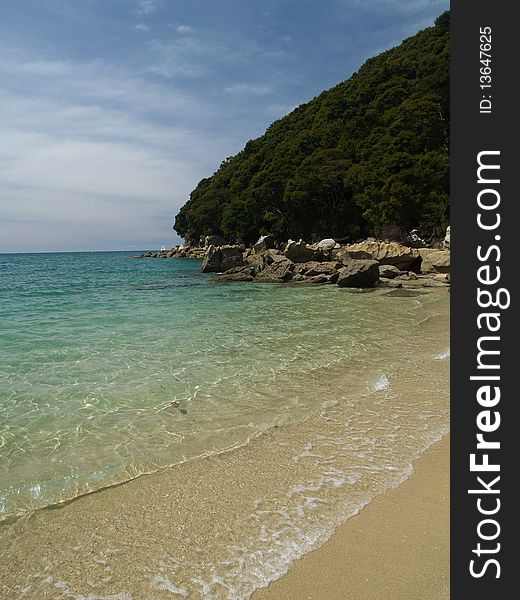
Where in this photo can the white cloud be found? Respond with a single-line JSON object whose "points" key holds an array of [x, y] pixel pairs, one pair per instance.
{"points": [[83, 150], [146, 7], [142, 27], [184, 29], [249, 89]]}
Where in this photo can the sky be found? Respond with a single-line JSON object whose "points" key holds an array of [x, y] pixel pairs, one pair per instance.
{"points": [[111, 111]]}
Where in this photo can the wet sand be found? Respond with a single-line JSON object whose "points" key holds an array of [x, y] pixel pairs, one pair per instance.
{"points": [[396, 548]]}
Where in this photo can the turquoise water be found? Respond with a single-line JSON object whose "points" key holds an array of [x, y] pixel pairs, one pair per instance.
{"points": [[113, 367]]}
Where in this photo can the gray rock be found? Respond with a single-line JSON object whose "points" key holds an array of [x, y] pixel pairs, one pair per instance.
{"points": [[265, 242], [231, 256], [322, 268], [214, 240], [221, 259], [237, 276], [447, 237], [359, 273], [389, 271], [390, 283], [318, 279], [434, 283], [276, 272], [211, 261], [327, 244], [275, 256], [258, 261]]}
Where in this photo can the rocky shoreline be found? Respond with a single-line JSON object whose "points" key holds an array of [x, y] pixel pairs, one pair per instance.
{"points": [[362, 264]]}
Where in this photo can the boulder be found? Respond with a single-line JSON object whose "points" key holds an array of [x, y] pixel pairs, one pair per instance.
{"points": [[389, 271], [236, 274], [265, 242], [390, 283], [276, 272], [327, 244], [318, 279], [275, 256], [434, 283], [221, 259], [410, 276], [231, 256], [211, 261], [359, 273], [344, 256], [298, 252], [437, 261], [258, 261], [214, 240], [446, 242], [386, 253], [322, 268]]}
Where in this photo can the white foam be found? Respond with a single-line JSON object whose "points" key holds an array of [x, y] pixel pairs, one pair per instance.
{"points": [[159, 582], [442, 355], [381, 383]]}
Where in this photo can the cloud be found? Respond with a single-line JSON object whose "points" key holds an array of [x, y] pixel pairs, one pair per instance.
{"points": [[249, 89], [147, 7], [87, 153], [183, 29], [142, 27]]}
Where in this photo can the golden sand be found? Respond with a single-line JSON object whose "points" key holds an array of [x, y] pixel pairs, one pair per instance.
{"points": [[396, 548]]}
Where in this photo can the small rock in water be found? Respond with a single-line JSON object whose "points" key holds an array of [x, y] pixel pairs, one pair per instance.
{"points": [[183, 411], [175, 404]]}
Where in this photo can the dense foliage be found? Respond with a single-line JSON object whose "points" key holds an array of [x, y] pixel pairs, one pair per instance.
{"points": [[370, 154]]}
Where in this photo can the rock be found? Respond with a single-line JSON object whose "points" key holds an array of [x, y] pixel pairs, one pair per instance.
{"points": [[275, 256], [386, 253], [359, 273], [276, 272], [390, 283], [265, 242], [211, 262], [322, 268], [241, 275], [437, 261], [343, 255], [446, 242], [318, 279], [298, 252], [231, 256], [214, 240], [327, 244], [445, 277], [257, 261], [221, 259], [410, 276], [389, 271], [433, 283]]}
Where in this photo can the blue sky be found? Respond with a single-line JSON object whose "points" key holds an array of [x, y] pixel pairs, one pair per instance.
{"points": [[111, 111]]}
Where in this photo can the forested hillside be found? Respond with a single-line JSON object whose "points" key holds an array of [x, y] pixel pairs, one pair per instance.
{"points": [[369, 155]]}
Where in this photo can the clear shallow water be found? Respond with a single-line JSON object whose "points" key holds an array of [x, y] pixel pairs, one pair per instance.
{"points": [[96, 347]]}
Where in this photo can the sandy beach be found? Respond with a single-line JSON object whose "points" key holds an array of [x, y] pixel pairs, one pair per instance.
{"points": [[396, 548]]}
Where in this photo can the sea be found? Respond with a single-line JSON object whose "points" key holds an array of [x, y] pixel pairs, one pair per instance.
{"points": [[165, 436]]}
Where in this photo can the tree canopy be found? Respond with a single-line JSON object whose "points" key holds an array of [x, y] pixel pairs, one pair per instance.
{"points": [[368, 154]]}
